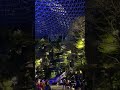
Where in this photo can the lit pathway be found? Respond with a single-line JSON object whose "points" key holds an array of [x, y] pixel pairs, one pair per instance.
{"points": [[55, 87]]}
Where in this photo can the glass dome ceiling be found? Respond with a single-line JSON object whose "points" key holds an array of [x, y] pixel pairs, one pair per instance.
{"points": [[53, 17]]}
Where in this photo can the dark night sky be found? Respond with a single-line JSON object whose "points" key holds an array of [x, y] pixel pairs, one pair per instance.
{"points": [[15, 12]]}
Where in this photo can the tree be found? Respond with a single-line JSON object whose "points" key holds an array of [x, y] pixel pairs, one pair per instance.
{"points": [[15, 59], [102, 23], [76, 42]]}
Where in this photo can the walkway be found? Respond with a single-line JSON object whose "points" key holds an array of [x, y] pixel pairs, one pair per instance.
{"points": [[55, 87]]}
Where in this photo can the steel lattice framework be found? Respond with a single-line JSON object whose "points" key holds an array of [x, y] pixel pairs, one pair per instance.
{"points": [[53, 17]]}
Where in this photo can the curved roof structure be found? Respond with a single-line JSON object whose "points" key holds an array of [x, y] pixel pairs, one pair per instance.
{"points": [[53, 17]]}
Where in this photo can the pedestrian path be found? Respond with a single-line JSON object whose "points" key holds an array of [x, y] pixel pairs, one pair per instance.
{"points": [[59, 87], [55, 87]]}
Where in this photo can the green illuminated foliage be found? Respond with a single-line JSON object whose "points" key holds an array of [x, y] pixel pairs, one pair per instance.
{"points": [[37, 63], [80, 44], [109, 44]]}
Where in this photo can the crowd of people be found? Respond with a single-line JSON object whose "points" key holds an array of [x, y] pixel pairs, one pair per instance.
{"points": [[75, 82], [42, 85]]}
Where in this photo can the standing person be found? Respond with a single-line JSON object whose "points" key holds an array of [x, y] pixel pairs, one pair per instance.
{"points": [[64, 82], [84, 85], [14, 82], [72, 82], [67, 84], [38, 85], [78, 85], [78, 82], [43, 84], [47, 86]]}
